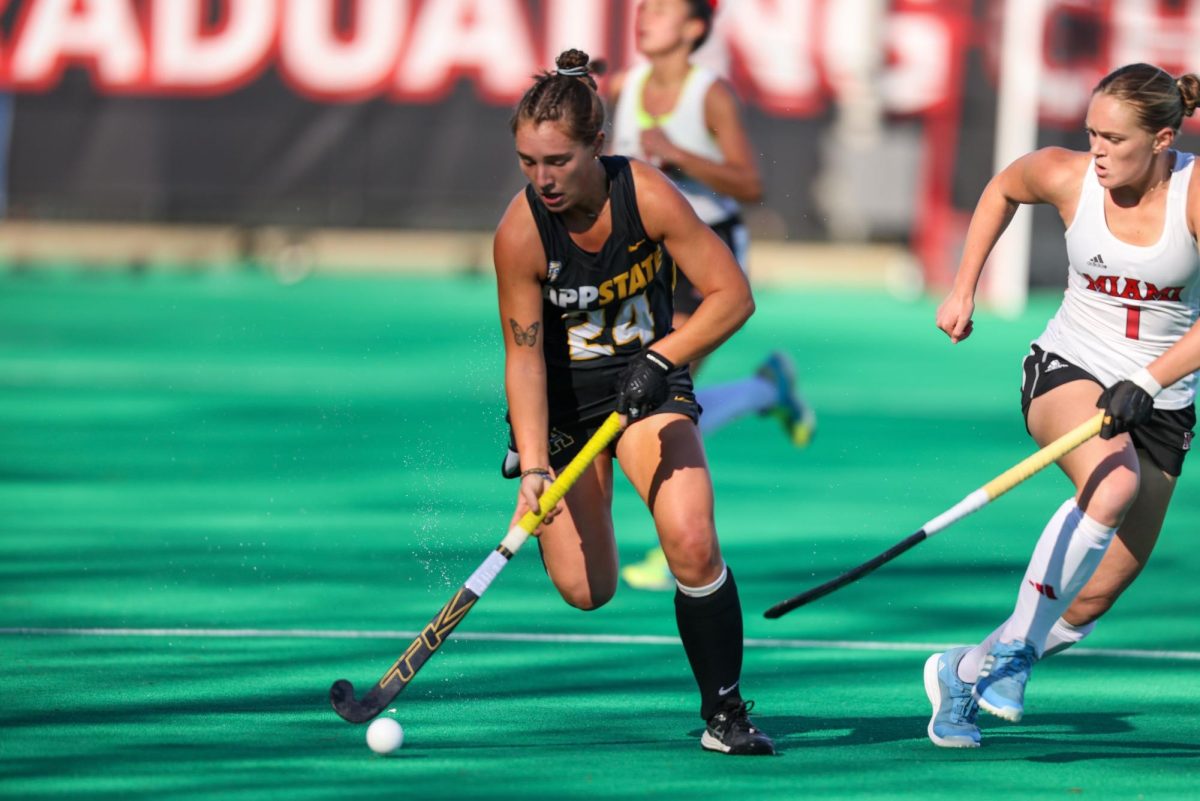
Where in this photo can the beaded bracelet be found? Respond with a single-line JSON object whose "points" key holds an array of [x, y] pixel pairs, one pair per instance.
{"points": [[536, 471]]}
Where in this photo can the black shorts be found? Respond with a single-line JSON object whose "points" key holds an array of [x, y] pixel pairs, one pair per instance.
{"points": [[568, 438], [733, 233], [1166, 439]]}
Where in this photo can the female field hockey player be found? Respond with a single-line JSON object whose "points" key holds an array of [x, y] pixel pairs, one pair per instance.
{"points": [[686, 120], [1124, 340], [584, 282]]}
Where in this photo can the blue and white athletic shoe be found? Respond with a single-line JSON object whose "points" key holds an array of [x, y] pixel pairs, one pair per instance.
{"points": [[1000, 688], [798, 419], [954, 709]]}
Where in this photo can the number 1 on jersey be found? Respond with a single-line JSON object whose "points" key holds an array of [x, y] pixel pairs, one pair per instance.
{"points": [[1133, 321]]}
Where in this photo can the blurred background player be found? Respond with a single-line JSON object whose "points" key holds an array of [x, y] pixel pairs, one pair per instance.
{"points": [[686, 120], [584, 282], [1124, 339]]}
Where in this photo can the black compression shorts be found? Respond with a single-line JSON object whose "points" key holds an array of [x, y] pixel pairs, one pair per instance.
{"points": [[1166, 439], [568, 439]]}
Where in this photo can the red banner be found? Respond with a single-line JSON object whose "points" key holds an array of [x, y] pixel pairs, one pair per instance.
{"points": [[782, 53], [392, 112]]}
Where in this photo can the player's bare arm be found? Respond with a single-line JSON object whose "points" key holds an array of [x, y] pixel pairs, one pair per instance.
{"points": [[1193, 204], [738, 175], [1181, 359], [1053, 176], [706, 261], [518, 255]]}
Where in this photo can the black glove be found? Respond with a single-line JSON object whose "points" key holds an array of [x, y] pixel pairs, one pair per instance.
{"points": [[1125, 406], [642, 388]]}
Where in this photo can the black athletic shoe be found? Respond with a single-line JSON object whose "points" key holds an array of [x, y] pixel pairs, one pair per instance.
{"points": [[731, 732]]}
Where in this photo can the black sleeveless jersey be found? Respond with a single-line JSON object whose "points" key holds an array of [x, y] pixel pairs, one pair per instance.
{"points": [[600, 309]]}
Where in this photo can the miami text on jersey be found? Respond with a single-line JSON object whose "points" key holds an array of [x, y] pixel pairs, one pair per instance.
{"points": [[1131, 288]]}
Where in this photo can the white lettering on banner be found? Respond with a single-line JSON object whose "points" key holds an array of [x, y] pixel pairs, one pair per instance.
{"points": [[1166, 34], [772, 43], [410, 50], [191, 55], [103, 35], [321, 62], [1068, 75], [581, 24], [1153, 31], [784, 54], [850, 51], [918, 79], [491, 40], [1065, 92]]}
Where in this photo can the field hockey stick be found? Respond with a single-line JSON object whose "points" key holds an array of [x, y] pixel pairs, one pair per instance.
{"points": [[973, 502], [341, 694]]}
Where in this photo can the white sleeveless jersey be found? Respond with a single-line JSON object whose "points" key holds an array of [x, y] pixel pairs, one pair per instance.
{"points": [[684, 125], [1124, 304]]}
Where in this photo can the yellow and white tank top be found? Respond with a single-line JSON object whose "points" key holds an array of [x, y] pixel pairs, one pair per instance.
{"points": [[684, 125], [1125, 304]]}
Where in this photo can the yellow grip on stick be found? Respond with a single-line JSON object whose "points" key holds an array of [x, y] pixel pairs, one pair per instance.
{"points": [[1051, 453], [566, 479]]}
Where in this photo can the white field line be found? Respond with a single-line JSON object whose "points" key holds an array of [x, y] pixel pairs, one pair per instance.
{"points": [[530, 637]]}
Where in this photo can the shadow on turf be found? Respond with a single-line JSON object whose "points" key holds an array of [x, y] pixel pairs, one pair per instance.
{"points": [[798, 732], [1086, 726], [795, 732]]}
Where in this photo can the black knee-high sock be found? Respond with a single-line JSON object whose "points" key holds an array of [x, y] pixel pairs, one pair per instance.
{"points": [[711, 630]]}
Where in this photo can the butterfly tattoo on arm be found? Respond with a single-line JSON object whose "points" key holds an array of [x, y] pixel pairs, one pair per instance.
{"points": [[524, 336]]}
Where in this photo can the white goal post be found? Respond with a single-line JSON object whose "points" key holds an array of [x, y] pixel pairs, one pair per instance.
{"points": [[1006, 279]]}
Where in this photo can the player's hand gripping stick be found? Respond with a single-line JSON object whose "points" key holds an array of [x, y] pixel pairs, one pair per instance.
{"points": [[397, 677]]}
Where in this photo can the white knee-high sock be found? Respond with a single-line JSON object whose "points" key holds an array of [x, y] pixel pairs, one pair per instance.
{"points": [[725, 403], [1066, 555], [1062, 636], [1064, 558]]}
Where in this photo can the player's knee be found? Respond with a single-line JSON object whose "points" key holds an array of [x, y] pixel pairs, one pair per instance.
{"points": [[588, 602], [695, 559], [1112, 496], [587, 596]]}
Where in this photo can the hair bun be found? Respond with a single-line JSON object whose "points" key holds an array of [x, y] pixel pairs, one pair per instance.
{"points": [[1189, 92], [572, 62], [577, 64]]}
